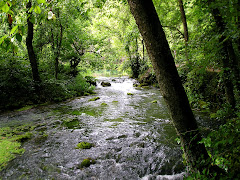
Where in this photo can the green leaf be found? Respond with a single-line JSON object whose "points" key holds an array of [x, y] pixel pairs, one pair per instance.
{"points": [[19, 37], [5, 8], [14, 29], [40, 1], [2, 39], [37, 10], [32, 19]]}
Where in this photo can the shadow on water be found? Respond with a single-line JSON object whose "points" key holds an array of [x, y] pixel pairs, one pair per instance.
{"points": [[132, 136]]}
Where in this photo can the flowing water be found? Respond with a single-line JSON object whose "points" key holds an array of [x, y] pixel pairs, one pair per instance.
{"points": [[133, 137]]}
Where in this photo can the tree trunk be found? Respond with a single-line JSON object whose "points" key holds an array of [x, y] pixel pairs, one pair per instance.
{"points": [[143, 50], [169, 81], [229, 60], [57, 46], [184, 21], [31, 54]]}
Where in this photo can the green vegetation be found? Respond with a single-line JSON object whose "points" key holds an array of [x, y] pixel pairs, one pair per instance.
{"points": [[50, 51], [71, 123], [130, 94], [154, 101], [86, 163], [11, 140], [94, 99], [84, 145]]}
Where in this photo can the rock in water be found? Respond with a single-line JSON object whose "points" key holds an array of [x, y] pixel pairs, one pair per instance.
{"points": [[105, 84]]}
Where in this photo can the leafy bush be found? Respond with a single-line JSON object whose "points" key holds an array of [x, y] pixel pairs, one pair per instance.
{"points": [[223, 146], [204, 89], [78, 86], [16, 85]]}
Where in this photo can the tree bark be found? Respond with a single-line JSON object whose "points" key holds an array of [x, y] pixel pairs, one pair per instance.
{"points": [[57, 46], [229, 60], [169, 81], [31, 53], [184, 21]]}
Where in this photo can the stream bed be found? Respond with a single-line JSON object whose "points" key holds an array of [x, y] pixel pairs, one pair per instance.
{"points": [[132, 135]]}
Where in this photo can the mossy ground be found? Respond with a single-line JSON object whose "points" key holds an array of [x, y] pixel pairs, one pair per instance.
{"points": [[11, 140]]}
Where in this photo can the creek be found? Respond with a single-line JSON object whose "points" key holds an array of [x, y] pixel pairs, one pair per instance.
{"points": [[132, 135]]}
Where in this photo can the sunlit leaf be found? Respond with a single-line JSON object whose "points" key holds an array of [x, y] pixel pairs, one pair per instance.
{"points": [[5, 8], [9, 3], [37, 10], [14, 29], [41, 1], [2, 39]]}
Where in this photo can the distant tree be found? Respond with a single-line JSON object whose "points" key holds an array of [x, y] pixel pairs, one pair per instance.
{"points": [[228, 56], [29, 44], [185, 27]]}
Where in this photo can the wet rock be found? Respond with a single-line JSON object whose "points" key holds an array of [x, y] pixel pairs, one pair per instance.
{"points": [[136, 84], [143, 84], [40, 139], [110, 138], [105, 84], [86, 163], [84, 145], [122, 136], [137, 134]]}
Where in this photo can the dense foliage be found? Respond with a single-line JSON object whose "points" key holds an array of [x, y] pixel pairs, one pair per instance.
{"points": [[72, 39]]}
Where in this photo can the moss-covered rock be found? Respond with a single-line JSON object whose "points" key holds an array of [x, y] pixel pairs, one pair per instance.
{"points": [[71, 123], [143, 84], [105, 84], [24, 137], [84, 145], [76, 112], [94, 99], [130, 94], [86, 163], [155, 101], [104, 104], [122, 136], [40, 138]]}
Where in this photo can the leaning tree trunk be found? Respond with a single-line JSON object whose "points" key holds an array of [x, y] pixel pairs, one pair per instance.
{"points": [[31, 54], [170, 84]]}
